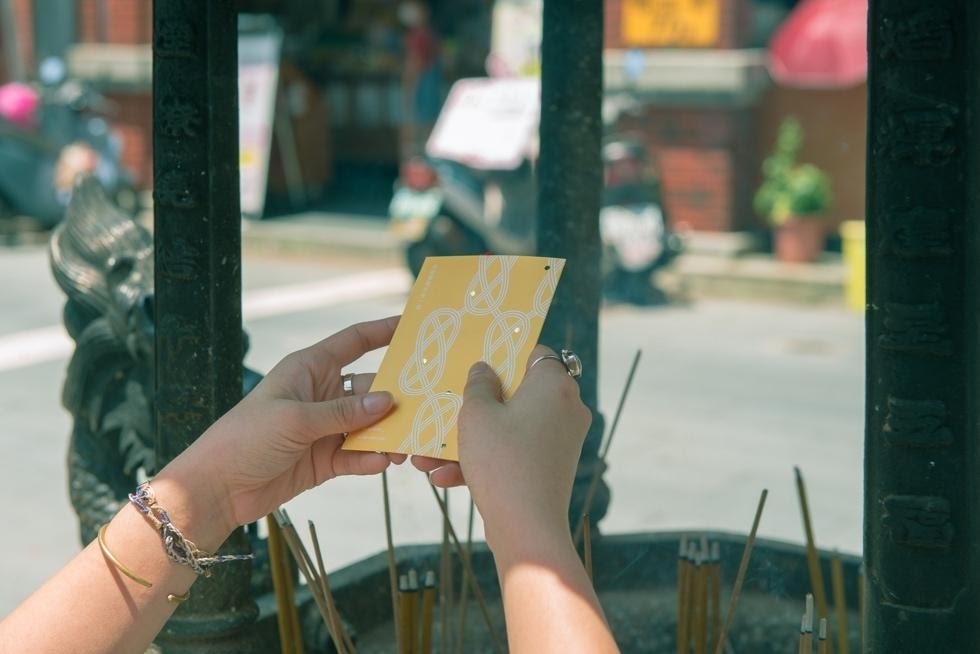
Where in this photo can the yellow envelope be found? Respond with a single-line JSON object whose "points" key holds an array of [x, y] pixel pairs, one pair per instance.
{"points": [[461, 310]]}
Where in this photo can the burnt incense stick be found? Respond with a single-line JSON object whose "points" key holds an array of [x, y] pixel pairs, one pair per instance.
{"points": [[468, 571], [807, 640], [740, 575], [812, 557], [690, 592], [715, 582], [840, 602], [413, 610], [445, 577], [428, 605], [800, 649], [600, 465], [404, 616], [682, 573], [344, 644], [464, 590], [392, 566], [287, 618], [823, 642], [700, 597]]}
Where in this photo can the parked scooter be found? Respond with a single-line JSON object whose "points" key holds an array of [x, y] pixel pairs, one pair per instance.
{"points": [[442, 207], [50, 134]]}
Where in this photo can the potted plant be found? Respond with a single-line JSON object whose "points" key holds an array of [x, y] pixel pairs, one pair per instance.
{"points": [[793, 197]]}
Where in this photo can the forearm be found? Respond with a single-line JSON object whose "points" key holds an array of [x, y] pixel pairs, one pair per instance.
{"points": [[549, 601], [96, 607]]}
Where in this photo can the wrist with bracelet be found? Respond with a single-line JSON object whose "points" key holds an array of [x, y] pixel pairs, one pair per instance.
{"points": [[178, 548]]}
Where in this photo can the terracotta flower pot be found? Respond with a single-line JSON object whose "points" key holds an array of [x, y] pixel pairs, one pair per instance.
{"points": [[799, 240]]}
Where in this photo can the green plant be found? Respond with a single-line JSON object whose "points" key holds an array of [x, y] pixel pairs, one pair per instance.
{"points": [[789, 188]]}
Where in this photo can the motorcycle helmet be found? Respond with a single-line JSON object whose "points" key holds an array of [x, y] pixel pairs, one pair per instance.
{"points": [[19, 104]]}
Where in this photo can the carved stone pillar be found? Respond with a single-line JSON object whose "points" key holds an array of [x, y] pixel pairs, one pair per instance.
{"points": [[923, 338], [197, 256], [570, 183]]}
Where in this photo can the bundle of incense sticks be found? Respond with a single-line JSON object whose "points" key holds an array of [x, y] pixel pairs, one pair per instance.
{"points": [[416, 605], [316, 579], [806, 631], [698, 596], [405, 603], [817, 580]]}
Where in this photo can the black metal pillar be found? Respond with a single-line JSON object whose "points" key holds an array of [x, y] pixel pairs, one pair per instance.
{"points": [[569, 187], [197, 250], [923, 329]]}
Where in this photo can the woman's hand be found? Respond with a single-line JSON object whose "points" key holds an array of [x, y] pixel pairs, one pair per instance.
{"points": [[285, 436], [519, 457]]}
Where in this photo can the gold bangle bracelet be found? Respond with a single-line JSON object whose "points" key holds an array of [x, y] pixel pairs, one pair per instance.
{"points": [[174, 598], [117, 563]]}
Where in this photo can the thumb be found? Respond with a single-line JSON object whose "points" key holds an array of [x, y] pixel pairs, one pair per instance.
{"points": [[347, 414], [482, 385]]}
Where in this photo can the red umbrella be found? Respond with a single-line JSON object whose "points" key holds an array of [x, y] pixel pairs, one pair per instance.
{"points": [[822, 44]]}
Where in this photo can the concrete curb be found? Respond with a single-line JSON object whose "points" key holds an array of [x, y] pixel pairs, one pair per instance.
{"points": [[713, 265]]}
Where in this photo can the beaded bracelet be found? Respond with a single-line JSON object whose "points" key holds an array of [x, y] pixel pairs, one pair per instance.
{"points": [[179, 549]]}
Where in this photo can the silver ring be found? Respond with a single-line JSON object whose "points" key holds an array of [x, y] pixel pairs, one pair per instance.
{"points": [[347, 382], [573, 365]]}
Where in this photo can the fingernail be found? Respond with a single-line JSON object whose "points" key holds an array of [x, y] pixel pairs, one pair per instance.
{"points": [[376, 401], [479, 368]]}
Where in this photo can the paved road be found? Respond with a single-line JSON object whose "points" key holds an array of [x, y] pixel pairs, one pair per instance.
{"points": [[728, 397]]}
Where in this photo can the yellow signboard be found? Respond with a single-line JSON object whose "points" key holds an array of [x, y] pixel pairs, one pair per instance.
{"points": [[671, 23]]}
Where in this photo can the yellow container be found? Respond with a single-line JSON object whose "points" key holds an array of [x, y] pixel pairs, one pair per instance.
{"points": [[853, 250]]}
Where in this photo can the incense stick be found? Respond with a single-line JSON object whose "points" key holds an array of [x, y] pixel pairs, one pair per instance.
{"points": [[740, 576], [682, 596], [840, 602], [345, 644], [468, 570], [287, 618], [807, 638], [700, 602], [823, 642], [600, 465], [812, 558], [404, 616], [392, 566], [428, 604], [464, 584], [587, 547], [302, 559], [445, 578], [413, 610], [715, 580]]}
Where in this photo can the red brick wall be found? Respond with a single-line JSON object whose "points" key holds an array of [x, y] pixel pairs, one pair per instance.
{"points": [[733, 32], [126, 22], [24, 28], [133, 121], [706, 160], [115, 21]]}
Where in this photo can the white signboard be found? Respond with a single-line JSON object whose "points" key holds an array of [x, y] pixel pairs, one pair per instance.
{"points": [[258, 77], [488, 123], [515, 38]]}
